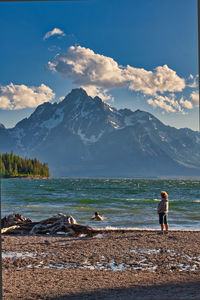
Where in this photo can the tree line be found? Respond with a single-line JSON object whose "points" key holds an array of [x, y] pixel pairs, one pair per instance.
{"points": [[14, 166]]}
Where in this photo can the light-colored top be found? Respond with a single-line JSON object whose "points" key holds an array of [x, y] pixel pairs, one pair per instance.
{"points": [[163, 206]]}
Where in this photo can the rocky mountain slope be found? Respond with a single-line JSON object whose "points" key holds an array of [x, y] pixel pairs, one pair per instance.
{"points": [[83, 136]]}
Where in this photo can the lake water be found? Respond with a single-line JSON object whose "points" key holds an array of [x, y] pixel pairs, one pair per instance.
{"points": [[129, 203]]}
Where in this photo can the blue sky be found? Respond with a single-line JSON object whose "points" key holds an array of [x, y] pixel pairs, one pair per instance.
{"points": [[139, 54]]}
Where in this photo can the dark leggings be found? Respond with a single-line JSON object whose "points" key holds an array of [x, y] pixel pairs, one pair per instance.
{"points": [[162, 218]]}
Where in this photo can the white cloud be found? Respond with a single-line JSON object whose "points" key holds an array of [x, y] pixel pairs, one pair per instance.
{"points": [[167, 103], [61, 98], [162, 104], [171, 104], [95, 91], [192, 81], [14, 97], [192, 102], [55, 31], [163, 79], [86, 68], [195, 98], [186, 103], [98, 74]]}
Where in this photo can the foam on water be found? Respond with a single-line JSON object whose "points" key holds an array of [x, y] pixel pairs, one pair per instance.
{"points": [[110, 228]]}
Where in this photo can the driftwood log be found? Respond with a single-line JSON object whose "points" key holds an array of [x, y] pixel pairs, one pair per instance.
{"points": [[17, 224], [14, 219]]}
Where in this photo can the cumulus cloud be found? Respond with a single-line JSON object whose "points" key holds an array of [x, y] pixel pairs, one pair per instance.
{"points": [[195, 98], [86, 68], [166, 103], [14, 97], [171, 104], [98, 74], [192, 102], [193, 81], [101, 93], [55, 31], [186, 103], [163, 79]]}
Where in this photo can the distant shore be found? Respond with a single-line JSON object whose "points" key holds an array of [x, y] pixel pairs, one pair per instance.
{"points": [[26, 177], [135, 264]]}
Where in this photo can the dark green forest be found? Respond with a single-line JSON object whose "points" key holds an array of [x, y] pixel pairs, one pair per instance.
{"points": [[14, 166]]}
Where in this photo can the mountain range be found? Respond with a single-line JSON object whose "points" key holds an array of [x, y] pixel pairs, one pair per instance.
{"points": [[83, 136]]}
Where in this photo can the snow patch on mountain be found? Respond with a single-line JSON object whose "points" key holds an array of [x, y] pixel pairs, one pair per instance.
{"points": [[114, 121], [164, 137], [56, 119], [198, 139], [129, 120], [18, 133], [91, 139], [114, 124], [84, 113], [2, 126], [40, 109], [155, 126]]}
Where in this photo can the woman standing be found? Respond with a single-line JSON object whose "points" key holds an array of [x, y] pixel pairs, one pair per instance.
{"points": [[163, 211]]}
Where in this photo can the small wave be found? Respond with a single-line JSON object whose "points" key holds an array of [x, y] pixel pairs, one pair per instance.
{"points": [[178, 202], [195, 217], [111, 228], [87, 200], [31, 206], [143, 200]]}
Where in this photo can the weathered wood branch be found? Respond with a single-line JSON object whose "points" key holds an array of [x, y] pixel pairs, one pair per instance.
{"points": [[17, 224], [14, 219], [10, 229]]}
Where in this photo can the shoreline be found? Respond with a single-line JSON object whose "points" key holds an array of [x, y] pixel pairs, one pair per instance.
{"points": [[26, 177], [137, 264], [133, 229], [173, 178]]}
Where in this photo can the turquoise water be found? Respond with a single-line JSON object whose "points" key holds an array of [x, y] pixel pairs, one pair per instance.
{"points": [[129, 203]]}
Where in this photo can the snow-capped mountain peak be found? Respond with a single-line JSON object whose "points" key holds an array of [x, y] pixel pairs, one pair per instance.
{"points": [[2, 126], [83, 136]]}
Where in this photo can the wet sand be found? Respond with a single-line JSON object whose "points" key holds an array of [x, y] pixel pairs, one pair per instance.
{"points": [[111, 265]]}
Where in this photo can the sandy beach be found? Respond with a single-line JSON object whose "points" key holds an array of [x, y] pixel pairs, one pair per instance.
{"points": [[135, 264]]}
